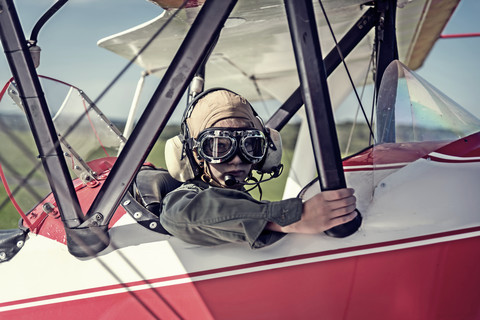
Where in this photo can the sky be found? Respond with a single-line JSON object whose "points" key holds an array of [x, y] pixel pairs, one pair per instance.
{"points": [[69, 50]]}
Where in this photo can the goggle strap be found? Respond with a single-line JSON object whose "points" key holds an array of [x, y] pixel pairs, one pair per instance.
{"points": [[186, 143], [270, 142]]}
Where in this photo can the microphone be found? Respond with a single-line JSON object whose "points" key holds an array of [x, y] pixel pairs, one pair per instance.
{"points": [[230, 180]]}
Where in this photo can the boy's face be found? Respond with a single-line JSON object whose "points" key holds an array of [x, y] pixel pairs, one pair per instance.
{"points": [[235, 167]]}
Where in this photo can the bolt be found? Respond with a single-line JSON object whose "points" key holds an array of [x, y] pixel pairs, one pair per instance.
{"points": [[48, 207], [3, 256], [153, 225], [98, 217], [137, 215], [20, 243], [126, 203]]}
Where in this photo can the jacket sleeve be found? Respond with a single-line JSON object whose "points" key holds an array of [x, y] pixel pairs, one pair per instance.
{"points": [[215, 216]]}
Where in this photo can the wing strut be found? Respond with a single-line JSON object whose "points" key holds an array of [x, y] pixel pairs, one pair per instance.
{"points": [[38, 115], [386, 40], [387, 51], [314, 89], [194, 48]]}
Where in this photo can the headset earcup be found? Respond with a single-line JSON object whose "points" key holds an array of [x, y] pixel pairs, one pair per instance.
{"points": [[177, 165], [273, 158]]}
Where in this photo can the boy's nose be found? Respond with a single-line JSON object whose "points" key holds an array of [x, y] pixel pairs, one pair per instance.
{"points": [[236, 160]]}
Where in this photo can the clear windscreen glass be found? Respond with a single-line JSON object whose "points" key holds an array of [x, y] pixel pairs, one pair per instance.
{"points": [[83, 131], [21, 169], [414, 119], [412, 110]]}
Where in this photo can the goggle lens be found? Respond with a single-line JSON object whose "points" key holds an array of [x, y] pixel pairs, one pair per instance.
{"points": [[217, 145], [254, 146]]}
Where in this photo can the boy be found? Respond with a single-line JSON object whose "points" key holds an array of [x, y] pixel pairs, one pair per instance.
{"points": [[223, 141]]}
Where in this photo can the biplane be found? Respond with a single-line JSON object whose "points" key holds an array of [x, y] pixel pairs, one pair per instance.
{"points": [[86, 249]]}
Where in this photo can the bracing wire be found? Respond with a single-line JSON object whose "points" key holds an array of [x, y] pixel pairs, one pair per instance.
{"points": [[376, 52], [350, 136], [347, 70]]}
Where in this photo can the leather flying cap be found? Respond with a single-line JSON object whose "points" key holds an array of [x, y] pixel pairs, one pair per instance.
{"points": [[219, 105]]}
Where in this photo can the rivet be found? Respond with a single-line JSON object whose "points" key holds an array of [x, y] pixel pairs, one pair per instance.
{"points": [[153, 225], [48, 207], [126, 203], [3, 256], [20, 243], [137, 215]]}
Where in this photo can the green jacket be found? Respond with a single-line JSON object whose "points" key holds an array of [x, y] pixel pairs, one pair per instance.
{"points": [[201, 214]]}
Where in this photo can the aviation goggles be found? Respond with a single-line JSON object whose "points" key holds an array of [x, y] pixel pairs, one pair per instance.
{"points": [[218, 145]]}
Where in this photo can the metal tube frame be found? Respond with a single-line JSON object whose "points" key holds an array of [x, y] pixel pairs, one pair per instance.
{"points": [[89, 236], [315, 94], [313, 83], [196, 46], [387, 51]]}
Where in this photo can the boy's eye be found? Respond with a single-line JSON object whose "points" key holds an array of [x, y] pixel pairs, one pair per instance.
{"points": [[222, 146], [217, 147], [254, 146], [249, 145]]}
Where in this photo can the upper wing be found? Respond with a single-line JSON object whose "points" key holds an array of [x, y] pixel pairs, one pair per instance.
{"points": [[254, 54]]}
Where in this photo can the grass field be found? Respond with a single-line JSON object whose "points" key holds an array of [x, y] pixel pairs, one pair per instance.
{"points": [[271, 190]]}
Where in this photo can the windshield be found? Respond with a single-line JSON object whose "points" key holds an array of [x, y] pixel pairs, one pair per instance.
{"points": [[84, 133], [413, 120], [412, 110]]}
